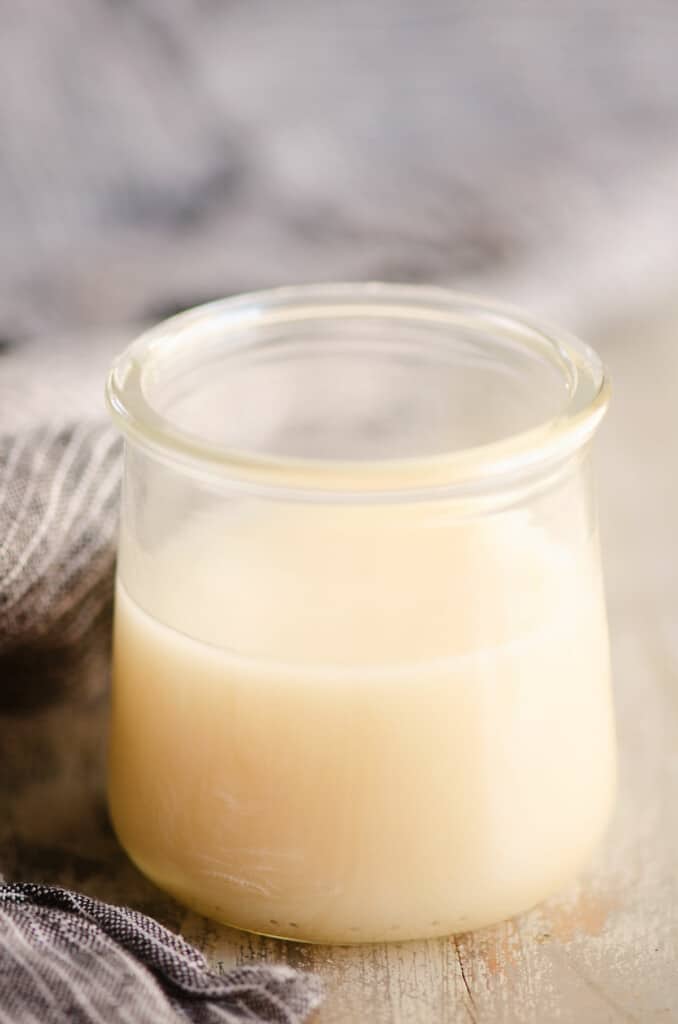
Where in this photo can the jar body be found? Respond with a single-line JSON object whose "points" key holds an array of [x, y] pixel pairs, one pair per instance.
{"points": [[357, 721]]}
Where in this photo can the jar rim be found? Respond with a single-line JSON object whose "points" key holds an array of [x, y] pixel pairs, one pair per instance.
{"points": [[484, 466]]}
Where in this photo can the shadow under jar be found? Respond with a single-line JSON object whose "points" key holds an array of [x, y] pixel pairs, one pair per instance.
{"points": [[361, 680]]}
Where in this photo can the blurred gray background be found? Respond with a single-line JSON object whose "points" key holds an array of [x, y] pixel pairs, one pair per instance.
{"points": [[157, 153]]}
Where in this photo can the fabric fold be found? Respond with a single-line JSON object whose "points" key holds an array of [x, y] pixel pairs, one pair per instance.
{"points": [[65, 957]]}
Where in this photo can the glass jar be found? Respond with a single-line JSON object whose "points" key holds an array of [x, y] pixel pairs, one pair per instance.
{"points": [[361, 682]]}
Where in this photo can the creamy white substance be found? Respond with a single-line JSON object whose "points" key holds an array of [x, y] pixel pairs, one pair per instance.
{"points": [[343, 728]]}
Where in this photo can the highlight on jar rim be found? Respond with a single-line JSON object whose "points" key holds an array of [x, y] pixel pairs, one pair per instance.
{"points": [[228, 324]]}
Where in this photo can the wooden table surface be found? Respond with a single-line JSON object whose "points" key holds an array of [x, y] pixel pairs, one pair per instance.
{"points": [[602, 951]]}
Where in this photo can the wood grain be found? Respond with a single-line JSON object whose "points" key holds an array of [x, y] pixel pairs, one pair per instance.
{"points": [[604, 950]]}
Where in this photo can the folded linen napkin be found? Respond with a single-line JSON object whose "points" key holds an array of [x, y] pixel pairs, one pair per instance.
{"points": [[63, 956], [67, 958], [58, 514]]}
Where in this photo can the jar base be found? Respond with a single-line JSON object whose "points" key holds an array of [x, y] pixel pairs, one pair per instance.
{"points": [[393, 934]]}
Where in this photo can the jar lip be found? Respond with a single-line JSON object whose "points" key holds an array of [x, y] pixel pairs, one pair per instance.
{"points": [[484, 466]]}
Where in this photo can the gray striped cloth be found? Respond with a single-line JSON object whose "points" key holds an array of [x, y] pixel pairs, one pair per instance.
{"points": [[58, 514], [65, 957]]}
